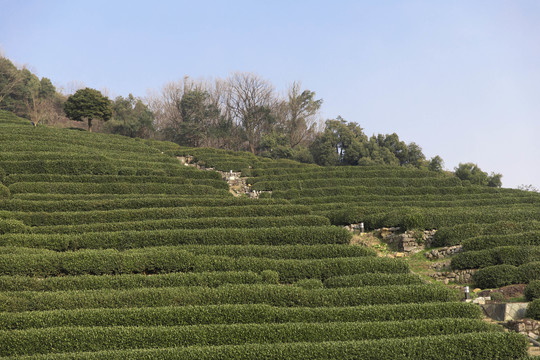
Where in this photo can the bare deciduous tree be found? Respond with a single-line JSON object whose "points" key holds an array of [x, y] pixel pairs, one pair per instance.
{"points": [[233, 113], [42, 111], [250, 102], [166, 105]]}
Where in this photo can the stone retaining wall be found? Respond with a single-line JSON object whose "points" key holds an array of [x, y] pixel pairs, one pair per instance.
{"points": [[504, 311], [443, 252], [409, 242], [457, 276], [527, 327]]}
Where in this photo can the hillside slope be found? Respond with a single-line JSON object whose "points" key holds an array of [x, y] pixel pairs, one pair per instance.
{"points": [[110, 248]]}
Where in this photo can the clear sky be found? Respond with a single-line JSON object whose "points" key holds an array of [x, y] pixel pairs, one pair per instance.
{"points": [[460, 78]]}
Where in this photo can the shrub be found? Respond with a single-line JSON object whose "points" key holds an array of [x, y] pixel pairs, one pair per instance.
{"points": [[381, 190], [454, 235], [112, 179], [115, 188], [496, 276], [529, 271], [328, 172], [372, 279], [126, 171], [511, 255], [501, 275], [440, 200], [433, 218], [287, 235], [76, 339], [131, 281], [234, 314], [276, 295], [309, 284], [471, 346], [98, 165], [270, 277], [87, 217], [12, 226], [4, 192], [413, 220], [281, 252], [533, 310], [97, 202], [491, 241], [199, 223], [362, 182], [164, 260], [532, 291], [497, 296]]}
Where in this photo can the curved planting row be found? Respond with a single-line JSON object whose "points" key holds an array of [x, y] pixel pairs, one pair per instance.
{"points": [[492, 241], [101, 179], [166, 260], [234, 314], [355, 182], [356, 172], [511, 255], [210, 279], [117, 188], [223, 236], [381, 190], [429, 218], [275, 295], [448, 236], [473, 346], [428, 200], [501, 275], [141, 214], [83, 339], [197, 223], [101, 202]]}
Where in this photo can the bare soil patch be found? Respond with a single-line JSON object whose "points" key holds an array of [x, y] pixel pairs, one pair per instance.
{"points": [[509, 292]]}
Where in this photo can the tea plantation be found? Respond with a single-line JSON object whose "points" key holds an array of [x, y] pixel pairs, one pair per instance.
{"points": [[110, 248]]}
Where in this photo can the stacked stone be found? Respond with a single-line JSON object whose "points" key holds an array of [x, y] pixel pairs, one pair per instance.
{"points": [[457, 276], [443, 252], [527, 327]]}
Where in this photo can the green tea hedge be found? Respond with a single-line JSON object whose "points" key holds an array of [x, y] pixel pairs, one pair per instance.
{"points": [[511, 255], [100, 202], [164, 260], [276, 295], [234, 314], [454, 235], [472, 346], [120, 215], [5, 193], [116, 188], [492, 241], [128, 281], [372, 279], [198, 223], [307, 235], [355, 182], [82, 339], [532, 291]]}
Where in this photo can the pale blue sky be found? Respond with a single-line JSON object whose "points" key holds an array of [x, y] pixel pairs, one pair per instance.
{"points": [[460, 78]]}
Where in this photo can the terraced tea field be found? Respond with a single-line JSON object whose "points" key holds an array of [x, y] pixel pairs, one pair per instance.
{"points": [[110, 248]]}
